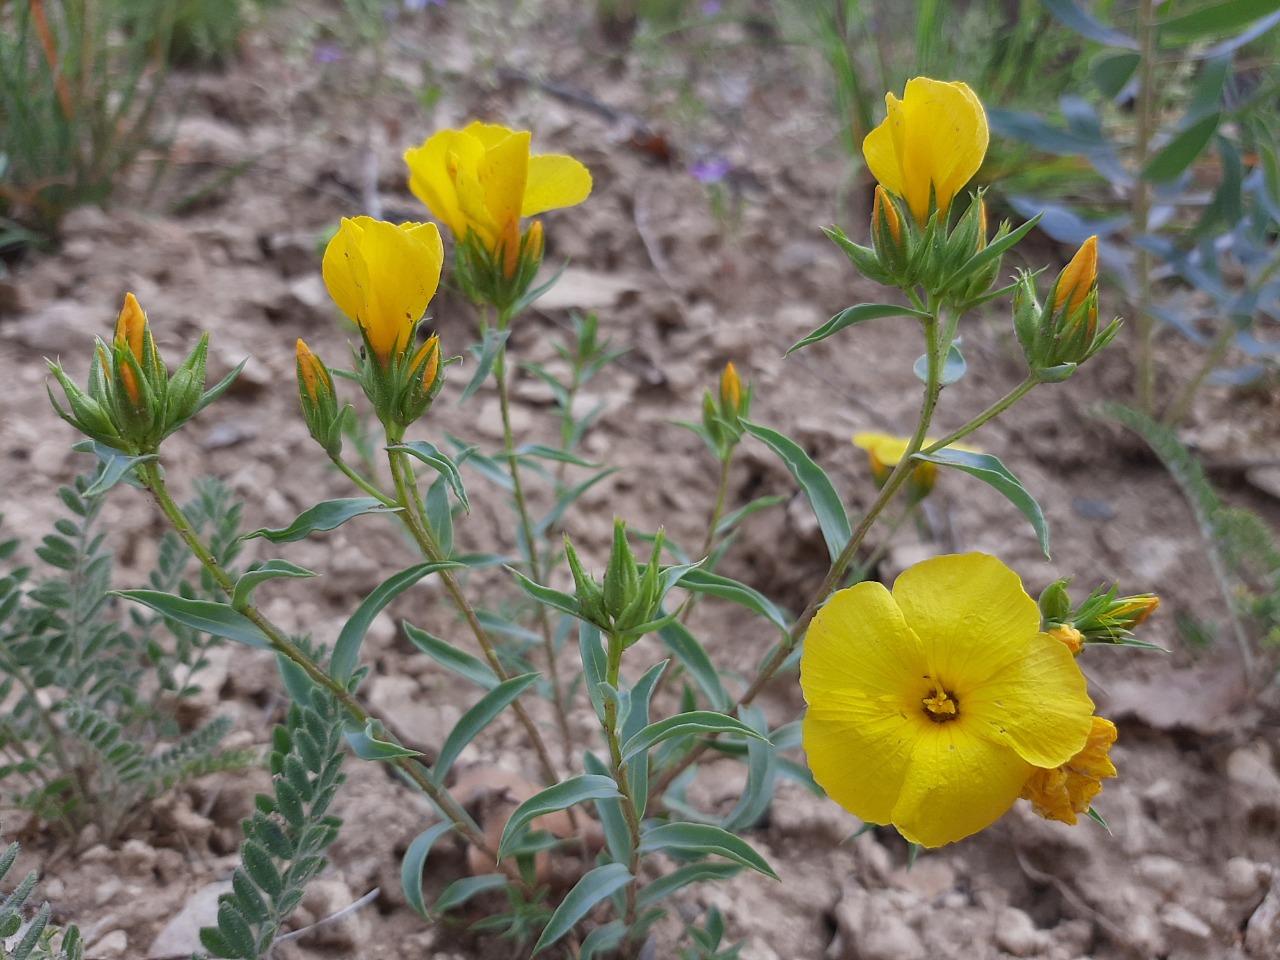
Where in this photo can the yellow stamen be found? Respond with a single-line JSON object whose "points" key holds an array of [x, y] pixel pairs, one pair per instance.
{"points": [[940, 707]]}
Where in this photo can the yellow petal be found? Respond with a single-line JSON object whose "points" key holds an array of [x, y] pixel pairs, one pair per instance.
{"points": [[862, 715], [503, 173], [957, 784], [934, 138], [432, 182], [946, 138], [981, 636], [882, 149], [1037, 704], [404, 271], [554, 181], [383, 276], [489, 134], [427, 233], [343, 268], [467, 160]]}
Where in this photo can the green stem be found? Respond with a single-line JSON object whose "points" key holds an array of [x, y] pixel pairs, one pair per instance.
{"points": [[993, 411], [1140, 205], [536, 572], [876, 555], [152, 478], [619, 771], [360, 481], [717, 512], [936, 350], [414, 516]]}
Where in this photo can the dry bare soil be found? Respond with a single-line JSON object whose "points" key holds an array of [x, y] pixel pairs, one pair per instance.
{"points": [[1191, 867]]}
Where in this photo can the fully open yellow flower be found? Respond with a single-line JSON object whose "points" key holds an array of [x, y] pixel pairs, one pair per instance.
{"points": [[934, 137], [482, 178], [383, 276], [932, 706]]}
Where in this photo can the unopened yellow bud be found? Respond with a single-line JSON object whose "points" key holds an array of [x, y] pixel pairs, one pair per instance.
{"points": [[883, 206], [1078, 278], [429, 355], [533, 243], [730, 388], [131, 326], [1131, 611], [130, 381], [1069, 635], [982, 224], [312, 375], [509, 247]]}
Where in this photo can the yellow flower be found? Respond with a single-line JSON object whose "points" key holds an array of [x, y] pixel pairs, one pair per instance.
{"points": [[483, 179], [383, 276], [1063, 792], [884, 450], [932, 706], [932, 140]]}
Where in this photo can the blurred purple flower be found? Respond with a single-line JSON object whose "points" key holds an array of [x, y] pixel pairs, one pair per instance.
{"points": [[327, 52], [711, 170], [416, 5], [711, 8]]}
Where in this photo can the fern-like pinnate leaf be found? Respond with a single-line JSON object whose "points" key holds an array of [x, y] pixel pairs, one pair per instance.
{"points": [[287, 834]]}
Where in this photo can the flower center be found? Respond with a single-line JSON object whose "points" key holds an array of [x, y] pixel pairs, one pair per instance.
{"points": [[940, 706]]}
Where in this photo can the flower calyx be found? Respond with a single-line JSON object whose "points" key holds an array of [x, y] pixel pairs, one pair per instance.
{"points": [[1103, 617], [723, 413], [319, 402], [628, 602], [1062, 333], [132, 402]]}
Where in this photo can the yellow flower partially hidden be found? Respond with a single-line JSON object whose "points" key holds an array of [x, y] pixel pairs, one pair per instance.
{"points": [[932, 140], [382, 276], [884, 450], [1063, 792], [931, 707], [483, 179]]}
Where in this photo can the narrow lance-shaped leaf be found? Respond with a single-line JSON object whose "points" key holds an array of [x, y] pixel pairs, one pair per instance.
{"points": [[415, 858], [1070, 13], [693, 656], [270, 570], [695, 723], [485, 354], [832, 519], [447, 655], [704, 839], [558, 797], [429, 454], [346, 651], [595, 886], [991, 471], [217, 619], [1181, 151], [856, 314], [476, 719], [323, 516]]}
